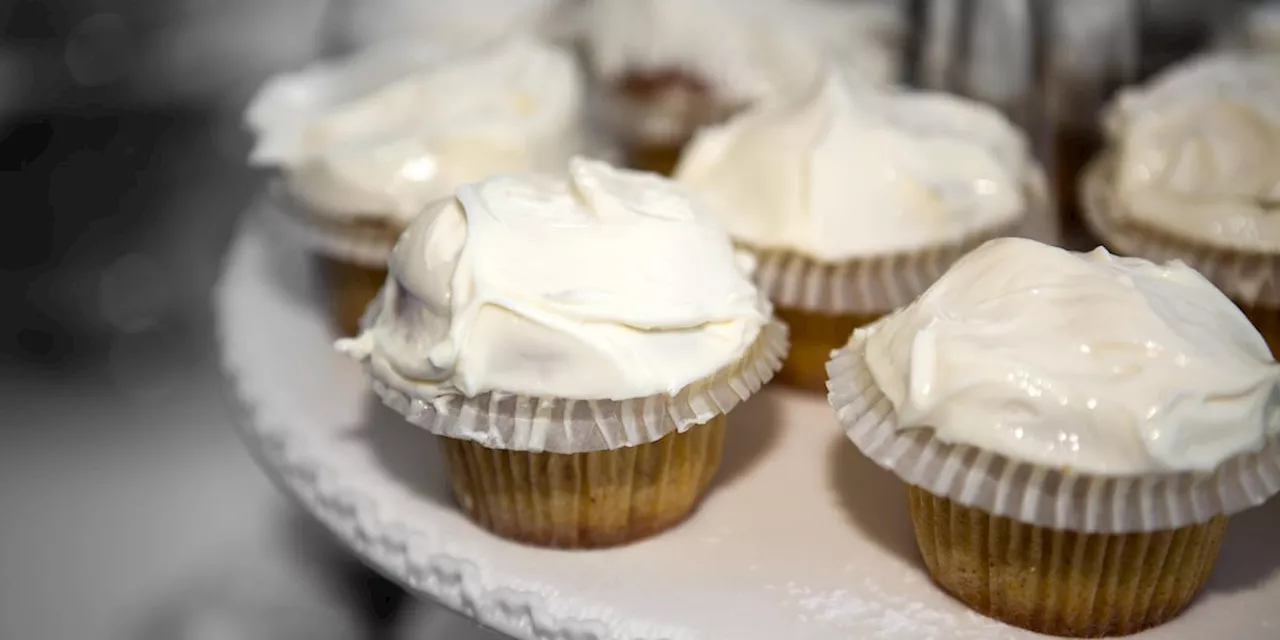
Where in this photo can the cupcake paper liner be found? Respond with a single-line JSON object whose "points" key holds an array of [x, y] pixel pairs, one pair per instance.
{"points": [[813, 337], [557, 425], [585, 500], [367, 245], [879, 284], [1035, 494], [1247, 277], [1062, 582]]}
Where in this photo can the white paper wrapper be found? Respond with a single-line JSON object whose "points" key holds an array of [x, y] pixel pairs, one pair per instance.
{"points": [[557, 425], [881, 284], [365, 246], [1250, 278], [1034, 494]]}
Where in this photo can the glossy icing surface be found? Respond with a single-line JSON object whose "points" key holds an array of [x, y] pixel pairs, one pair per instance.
{"points": [[388, 132], [1199, 151], [602, 284], [843, 170], [1090, 362]]}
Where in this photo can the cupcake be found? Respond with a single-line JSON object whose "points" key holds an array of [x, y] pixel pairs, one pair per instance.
{"points": [[575, 344], [855, 199], [667, 67], [363, 145], [1192, 172], [1075, 430]]}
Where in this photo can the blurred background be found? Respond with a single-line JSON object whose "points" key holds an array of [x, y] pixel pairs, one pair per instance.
{"points": [[128, 508]]}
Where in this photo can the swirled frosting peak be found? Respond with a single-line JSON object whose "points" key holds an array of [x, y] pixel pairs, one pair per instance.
{"points": [[1199, 150], [605, 284], [1092, 362], [843, 171], [390, 131]]}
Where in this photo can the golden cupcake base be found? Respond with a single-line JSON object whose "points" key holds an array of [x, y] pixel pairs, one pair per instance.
{"points": [[658, 158], [585, 500], [813, 337], [349, 288], [1267, 321], [1063, 583]]}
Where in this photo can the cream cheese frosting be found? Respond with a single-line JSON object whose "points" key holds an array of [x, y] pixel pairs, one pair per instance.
{"points": [[606, 284], [389, 131], [1198, 151], [746, 49], [1083, 361], [843, 170]]}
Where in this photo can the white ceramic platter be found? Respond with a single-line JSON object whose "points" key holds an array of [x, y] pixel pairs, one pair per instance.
{"points": [[800, 538]]}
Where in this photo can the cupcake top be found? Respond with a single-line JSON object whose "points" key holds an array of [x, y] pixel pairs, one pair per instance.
{"points": [[1198, 151], [393, 129], [842, 171], [605, 284], [743, 49], [1082, 361]]}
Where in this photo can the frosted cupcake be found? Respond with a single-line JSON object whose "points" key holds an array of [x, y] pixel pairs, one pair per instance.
{"points": [[361, 146], [1193, 172], [668, 67], [855, 200], [575, 344], [1075, 430]]}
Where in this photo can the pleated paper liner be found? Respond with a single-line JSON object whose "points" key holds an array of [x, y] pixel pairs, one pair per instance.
{"points": [[1059, 582], [585, 500], [1251, 279], [879, 284], [557, 425], [813, 337], [824, 302], [1049, 550], [588, 473], [1033, 494], [351, 258]]}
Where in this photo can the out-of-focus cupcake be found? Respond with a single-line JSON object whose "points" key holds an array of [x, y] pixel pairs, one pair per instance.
{"points": [[363, 145], [575, 344], [1192, 172], [856, 199], [667, 67], [1075, 430]]}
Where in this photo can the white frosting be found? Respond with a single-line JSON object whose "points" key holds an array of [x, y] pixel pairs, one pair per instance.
{"points": [[609, 285], [388, 132], [842, 171], [1096, 363], [1199, 151], [746, 49]]}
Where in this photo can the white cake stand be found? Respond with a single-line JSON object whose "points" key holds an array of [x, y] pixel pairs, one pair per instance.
{"points": [[801, 538]]}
